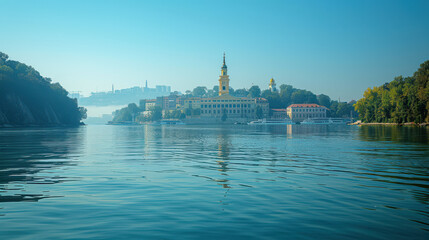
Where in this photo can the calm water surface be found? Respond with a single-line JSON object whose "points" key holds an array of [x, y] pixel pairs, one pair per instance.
{"points": [[220, 182]]}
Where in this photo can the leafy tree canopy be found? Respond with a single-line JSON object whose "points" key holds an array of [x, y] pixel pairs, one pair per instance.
{"points": [[28, 98], [401, 100]]}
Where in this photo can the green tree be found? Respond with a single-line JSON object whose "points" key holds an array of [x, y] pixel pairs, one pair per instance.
{"points": [[401, 100], [216, 90], [231, 91], [241, 93], [199, 91], [26, 97], [254, 92], [273, 98], [324, 100], [156, 114], [83, 112], [133, 108], [421, 77], [3, 56]]}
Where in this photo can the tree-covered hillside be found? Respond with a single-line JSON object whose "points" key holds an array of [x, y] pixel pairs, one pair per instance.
{"points": [[27, 98], [402, 100]]}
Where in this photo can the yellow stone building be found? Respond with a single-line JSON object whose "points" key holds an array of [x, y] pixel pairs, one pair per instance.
{"points": [[236, 108], [224, 79]]}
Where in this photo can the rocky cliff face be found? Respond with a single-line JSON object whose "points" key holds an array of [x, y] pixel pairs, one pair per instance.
{"points": [[29, 99], [18, 113]]}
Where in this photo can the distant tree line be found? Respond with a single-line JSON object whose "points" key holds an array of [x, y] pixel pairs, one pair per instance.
{"points": [[134, 113], [28, 98], [401, 100], [286, 96]]}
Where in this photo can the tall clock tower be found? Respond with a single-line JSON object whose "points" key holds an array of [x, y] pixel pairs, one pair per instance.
{"points": [[224, 79]]}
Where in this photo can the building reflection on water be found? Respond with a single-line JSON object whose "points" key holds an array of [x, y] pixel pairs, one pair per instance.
{"points": [[290, 130], [224, 150]]}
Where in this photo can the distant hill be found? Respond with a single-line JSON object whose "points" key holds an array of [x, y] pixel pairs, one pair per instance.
{"points": [[124, 96], [28, 99]]}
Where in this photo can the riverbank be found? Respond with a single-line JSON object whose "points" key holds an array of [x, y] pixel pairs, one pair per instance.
{"points": [[359, 123]]}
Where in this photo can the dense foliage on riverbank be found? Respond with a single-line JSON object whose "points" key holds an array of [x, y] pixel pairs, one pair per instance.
{"points": [[27, 98], [405, 99], [134, 113]]}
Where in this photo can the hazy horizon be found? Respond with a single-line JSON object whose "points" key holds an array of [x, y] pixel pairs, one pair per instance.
{"points": [[338, 48]]}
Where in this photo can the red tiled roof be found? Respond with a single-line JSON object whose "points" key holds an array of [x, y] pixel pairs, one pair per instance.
{"points": [[279, 110], [305, 105], [261, 99]]}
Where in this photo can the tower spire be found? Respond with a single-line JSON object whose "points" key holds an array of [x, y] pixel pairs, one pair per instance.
{"points": [[224, 79], [223, 58]]}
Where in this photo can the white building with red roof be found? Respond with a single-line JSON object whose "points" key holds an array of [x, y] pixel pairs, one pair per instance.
{"points": [[300, 112]]}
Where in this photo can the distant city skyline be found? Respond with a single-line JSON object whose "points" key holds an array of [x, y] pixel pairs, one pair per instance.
{"points": [[338, 48]]}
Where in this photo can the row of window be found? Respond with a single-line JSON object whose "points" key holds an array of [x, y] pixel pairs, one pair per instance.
{"points": [[225, 105], [226, 100], [307, 109], [196, 101], [300, 115], [228, 111]]}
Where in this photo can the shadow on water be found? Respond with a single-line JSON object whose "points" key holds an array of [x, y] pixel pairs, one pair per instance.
{"points": [[27, 155], [401, 134], [398, 155], [300, 130]]}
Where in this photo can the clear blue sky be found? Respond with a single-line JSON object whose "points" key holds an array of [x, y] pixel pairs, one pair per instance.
{"points": [[339, 48]]}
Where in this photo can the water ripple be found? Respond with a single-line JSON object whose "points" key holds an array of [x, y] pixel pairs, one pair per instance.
{"points": [[333, 182]]}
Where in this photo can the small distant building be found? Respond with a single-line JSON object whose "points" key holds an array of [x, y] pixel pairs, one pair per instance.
{"points": [[300, 112], [232, 106], [264, 104], [279, 113], [272, 85], [150, 104], [167, 103]]}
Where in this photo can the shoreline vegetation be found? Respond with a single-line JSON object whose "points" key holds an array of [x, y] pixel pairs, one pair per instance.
{"points": [[403, 101], [28, 99]]}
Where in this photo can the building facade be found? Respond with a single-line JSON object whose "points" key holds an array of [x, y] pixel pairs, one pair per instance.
{"points": [[300, 112], [226, 105], [279, 114], [232, 107], [214, 109]]}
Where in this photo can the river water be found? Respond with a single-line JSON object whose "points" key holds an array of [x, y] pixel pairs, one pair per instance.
{"points": [[214, 182]]}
